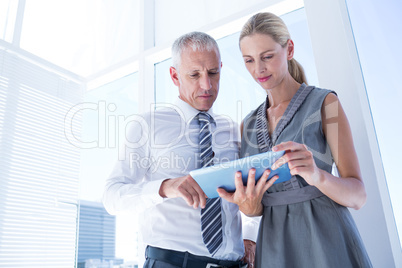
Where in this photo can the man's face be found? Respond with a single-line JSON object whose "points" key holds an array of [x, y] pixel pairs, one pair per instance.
{"points": [[198, 77]]}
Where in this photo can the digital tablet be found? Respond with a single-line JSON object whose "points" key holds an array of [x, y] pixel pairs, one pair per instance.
{"points": [[223, 175]]}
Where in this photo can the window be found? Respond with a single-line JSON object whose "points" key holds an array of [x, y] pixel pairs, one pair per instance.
{"points": [[199, 13], [239, 93], [40, 169], [375, 31], [103, 130], [8, 13], [84, 37]]}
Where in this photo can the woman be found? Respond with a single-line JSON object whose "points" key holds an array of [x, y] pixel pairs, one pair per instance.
{"points": [[306, 221]]}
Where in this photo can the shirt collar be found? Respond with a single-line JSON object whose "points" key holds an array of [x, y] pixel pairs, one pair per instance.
{"points": [[186, 111]]}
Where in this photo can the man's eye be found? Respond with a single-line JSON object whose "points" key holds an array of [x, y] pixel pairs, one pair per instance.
{"points": [[213, 73], [193, 75], [267, 57], [248, 61]]}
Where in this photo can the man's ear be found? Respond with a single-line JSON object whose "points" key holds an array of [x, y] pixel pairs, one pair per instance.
{"points": [[174, 74], [291, 49]]}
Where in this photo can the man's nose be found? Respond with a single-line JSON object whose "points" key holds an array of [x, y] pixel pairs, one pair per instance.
{"points": [[205, 82]]}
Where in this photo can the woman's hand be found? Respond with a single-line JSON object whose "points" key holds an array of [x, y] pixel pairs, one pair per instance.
{"points": [[347, 189], [300, 161], [249, 197]]}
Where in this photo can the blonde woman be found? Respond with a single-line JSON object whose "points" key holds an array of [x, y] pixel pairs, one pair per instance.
{"points": [[306, 221]]}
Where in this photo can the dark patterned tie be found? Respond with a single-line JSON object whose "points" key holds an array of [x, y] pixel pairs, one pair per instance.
{"points": [[211, 215]]}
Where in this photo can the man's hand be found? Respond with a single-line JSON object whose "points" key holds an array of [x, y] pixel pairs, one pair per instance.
{"points": [[185, 187], [249, 255]]}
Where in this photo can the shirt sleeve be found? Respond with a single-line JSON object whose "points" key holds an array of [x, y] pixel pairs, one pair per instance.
{"points": [[128, 188], [250, 227]]}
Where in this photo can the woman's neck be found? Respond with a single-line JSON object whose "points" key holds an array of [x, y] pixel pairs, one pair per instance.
{"points": [[283, 93]]}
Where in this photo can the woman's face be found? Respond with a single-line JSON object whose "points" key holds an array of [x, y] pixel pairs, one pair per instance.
{"points": [[265, 59]]}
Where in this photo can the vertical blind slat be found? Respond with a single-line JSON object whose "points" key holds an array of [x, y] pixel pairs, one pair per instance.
{"points": [[37, 227]]}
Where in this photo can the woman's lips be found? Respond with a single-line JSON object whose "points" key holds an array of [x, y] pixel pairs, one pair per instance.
{"points": [[263, 79]]}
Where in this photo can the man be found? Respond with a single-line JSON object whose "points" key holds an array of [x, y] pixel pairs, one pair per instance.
{"points": [[161, 149]]}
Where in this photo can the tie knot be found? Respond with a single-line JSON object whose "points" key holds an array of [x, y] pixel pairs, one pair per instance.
{"points": [[204, 118]]}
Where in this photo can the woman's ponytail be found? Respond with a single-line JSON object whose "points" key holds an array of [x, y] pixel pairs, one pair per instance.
{"points": [[297, 71]]}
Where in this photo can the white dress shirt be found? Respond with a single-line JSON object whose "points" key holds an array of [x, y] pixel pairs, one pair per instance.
{"points": [[163, 144]]}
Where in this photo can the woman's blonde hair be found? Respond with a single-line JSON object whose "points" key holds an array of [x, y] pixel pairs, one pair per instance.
{"points": [[270, 24]]}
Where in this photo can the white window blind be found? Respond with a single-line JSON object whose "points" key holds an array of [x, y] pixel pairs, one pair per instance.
{"points": [[39, 168]]}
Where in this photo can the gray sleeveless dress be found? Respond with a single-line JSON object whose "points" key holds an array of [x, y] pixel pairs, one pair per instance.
{"points": [[301, 227]]}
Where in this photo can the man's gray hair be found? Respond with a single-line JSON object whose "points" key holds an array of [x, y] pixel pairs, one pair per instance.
{"points": [[196, 40]]}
